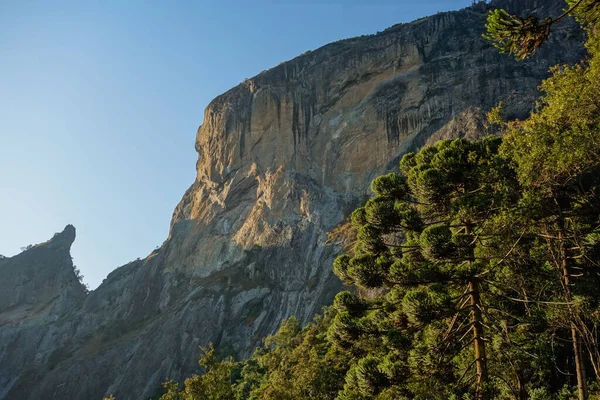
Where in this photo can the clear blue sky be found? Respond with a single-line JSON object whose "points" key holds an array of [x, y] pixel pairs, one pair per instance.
{"points": [[100, 102]]}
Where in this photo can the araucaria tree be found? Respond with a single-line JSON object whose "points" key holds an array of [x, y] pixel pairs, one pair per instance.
{"points": [[423, 248]]}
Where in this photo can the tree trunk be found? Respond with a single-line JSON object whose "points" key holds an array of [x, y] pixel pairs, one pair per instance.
{"points": [[594, 356], [579, 366], [523, 395], [575, 336], [477, 323], [478, 342]]}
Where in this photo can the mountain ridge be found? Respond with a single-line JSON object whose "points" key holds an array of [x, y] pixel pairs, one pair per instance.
{"points": [[283, 158]]}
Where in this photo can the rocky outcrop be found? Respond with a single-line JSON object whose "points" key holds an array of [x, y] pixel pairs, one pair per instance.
{"points": [[283, 159], [38, 290]]}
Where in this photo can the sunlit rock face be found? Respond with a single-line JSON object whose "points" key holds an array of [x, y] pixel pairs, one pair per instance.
{"points": [[283, 159]]}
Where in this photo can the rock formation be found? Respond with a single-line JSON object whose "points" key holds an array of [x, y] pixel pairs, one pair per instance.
{"points": [[283, 159]]}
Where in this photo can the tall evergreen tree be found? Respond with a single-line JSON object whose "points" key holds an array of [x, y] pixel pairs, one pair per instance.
{"points": [[424, 237]]}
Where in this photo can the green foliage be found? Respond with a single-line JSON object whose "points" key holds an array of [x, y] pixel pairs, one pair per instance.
{"points": [[346, 302], [295, 363], [436, 243], [391, 185], [214, 384], [562, 138]]}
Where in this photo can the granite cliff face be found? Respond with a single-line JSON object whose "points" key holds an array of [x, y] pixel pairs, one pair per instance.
{"points": [[283, 158]]}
